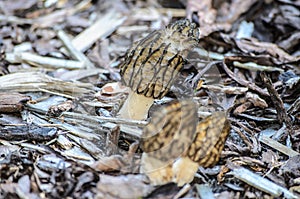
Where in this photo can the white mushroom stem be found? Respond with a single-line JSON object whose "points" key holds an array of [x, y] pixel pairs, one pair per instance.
{"points": [[136, 107]]}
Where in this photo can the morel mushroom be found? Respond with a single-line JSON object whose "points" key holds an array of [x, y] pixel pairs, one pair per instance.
{"points": [[175, 144], [152, 64]]}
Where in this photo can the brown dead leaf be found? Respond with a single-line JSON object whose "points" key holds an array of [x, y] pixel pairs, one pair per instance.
{"points": [[125, 164]]}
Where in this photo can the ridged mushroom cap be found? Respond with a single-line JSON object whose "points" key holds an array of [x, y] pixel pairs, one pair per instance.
{"points": [[152, 64]]}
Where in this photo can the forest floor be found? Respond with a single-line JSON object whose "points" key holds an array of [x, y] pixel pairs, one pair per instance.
{"points": [[60, 92]]}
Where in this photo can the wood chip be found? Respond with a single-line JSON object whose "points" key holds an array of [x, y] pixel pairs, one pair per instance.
{"points": [[102, 28], [260, 183], [279, 147]]}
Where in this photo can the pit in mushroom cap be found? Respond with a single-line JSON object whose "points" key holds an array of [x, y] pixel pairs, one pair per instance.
{"points": [[152, 65]]}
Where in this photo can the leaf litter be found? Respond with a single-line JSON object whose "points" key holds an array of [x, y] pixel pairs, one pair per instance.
{"points": [[60, 94]]}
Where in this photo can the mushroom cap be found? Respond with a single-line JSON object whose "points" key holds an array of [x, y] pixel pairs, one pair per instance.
{"points": [[211, 134], [152, 64], [170, 131]]}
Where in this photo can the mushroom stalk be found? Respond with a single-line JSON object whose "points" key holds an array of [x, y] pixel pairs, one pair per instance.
{"points": [[136, 107]]}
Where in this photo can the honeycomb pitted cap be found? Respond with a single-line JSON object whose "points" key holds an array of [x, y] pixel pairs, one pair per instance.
{"points": [[152, 64]]}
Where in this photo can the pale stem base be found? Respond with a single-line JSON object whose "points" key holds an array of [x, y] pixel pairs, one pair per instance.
{"points": [[136, 107]]}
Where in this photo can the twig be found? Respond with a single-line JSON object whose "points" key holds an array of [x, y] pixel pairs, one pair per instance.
{"points": [[104, 119], [243, 82], [276, 145], [42, 61], [294, 107], [245, 139], [226, 89], [35, 81], [256, 67], [208, 54], [100, 29], [76, 54], [122, 30], [257, 118], [281, 112], [203, 71], [56, 93]]}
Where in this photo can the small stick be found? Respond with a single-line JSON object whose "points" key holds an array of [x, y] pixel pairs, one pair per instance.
{"points": [[42, 61], [278, 146], [100, 29], [281, 112], [256, 67], [75, 53], [105, 119]]}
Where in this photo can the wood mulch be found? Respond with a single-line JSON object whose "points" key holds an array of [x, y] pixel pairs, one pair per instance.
{"points": [[60, 91]]}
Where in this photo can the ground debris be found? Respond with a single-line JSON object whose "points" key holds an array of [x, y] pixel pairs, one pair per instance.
{"points": [[61, 90]]}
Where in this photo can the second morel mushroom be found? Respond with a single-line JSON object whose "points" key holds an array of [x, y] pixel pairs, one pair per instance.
{"points": [[152, 64], [175, 144]]}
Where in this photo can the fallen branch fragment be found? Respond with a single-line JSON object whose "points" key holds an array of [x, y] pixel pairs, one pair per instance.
{"points": [[259, 182], [279, 147], [256, 67], [109, 122], [12, 102], [36, 81], [41, 61], [100, 29], [226, 89], [27, 132], [278, 103], [105, 119]]}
